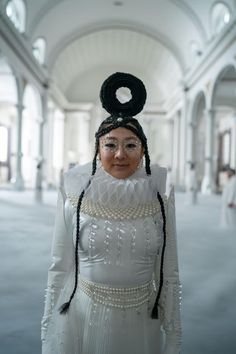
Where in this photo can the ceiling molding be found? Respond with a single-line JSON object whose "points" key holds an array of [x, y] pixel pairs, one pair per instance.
{"points": [[101, 26]]}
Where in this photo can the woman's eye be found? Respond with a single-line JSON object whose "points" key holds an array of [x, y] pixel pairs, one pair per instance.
{"points": [[131, 146], [110, 145]]}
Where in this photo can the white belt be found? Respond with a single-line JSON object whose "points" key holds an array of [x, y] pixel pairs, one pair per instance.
{"points": [[117, 297]]}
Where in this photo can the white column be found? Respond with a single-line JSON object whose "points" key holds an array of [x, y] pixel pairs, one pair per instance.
{"points": [[176, 154], [171, 132], [191, 178], [208, 185], [233, 148], [84, 146], [40, 159], [190, 158], [183, 134], [18, 179]]}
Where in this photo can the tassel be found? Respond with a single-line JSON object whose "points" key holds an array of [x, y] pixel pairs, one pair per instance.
{"points": [[63, 309], [155, 312]]}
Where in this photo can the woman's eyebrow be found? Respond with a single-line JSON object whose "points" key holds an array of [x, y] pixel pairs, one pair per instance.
{"points": [[127, 138]]}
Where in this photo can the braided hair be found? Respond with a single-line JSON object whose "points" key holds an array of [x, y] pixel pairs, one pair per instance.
{"points": [[121, 116]]}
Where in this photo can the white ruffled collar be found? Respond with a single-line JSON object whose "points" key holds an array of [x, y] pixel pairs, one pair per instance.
{"points": [[112, 192]]}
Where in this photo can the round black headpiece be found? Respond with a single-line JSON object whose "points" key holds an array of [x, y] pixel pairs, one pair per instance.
{"points": [[111, 103]]}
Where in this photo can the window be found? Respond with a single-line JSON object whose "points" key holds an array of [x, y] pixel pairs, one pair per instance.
{"points": [[15, 10], [220, 17], [38, 49]]}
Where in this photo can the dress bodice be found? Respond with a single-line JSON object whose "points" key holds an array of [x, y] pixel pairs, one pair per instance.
{"points": [[121, 230], [119, 252]]}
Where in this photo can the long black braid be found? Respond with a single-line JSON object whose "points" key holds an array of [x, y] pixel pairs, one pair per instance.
{"points": [[65, 307], [155, 308]]}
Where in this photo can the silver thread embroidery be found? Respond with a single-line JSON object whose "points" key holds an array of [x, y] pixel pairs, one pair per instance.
{"points": [[120, 234], [147, 241], [133, 240], [91, 237], [107, 241]]}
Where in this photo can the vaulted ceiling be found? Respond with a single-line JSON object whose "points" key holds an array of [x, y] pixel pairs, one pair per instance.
{"points": [[88, 40]]}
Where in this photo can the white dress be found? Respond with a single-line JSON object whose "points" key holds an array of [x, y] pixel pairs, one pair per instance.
{"points": [[120, 245]]}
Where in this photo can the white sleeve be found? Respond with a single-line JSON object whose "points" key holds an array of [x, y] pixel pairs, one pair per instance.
{"points": [[170, 294], [62, 256]]}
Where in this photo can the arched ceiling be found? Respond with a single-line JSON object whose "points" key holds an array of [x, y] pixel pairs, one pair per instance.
{"points": [[86, 40], [86, 65]]}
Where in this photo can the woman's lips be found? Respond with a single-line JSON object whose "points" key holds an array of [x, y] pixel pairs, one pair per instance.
{"points": [[120, 165]]}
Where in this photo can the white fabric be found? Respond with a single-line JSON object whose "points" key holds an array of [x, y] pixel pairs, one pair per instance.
{"points": [[228, 215], [119, 253]]}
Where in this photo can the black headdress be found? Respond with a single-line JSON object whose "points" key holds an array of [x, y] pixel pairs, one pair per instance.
{"points": [[121, 115]]}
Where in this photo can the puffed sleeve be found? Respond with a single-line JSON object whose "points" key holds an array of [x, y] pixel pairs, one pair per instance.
{"points": [[62, 252], [169, 302]]}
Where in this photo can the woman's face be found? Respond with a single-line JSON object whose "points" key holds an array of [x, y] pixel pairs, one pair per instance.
{"points": [[120, 152]]}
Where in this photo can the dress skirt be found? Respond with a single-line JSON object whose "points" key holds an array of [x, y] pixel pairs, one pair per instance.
{"points": [[93, 328]]}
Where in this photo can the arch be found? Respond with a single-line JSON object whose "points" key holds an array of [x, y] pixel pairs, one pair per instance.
{"points": [[224, 107], [219, 75], [16, 11]]}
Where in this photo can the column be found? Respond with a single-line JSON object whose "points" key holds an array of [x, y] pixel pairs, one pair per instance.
{"points": [[191, 178], [17, 181], [40, 159], [84, 147], [208, 185], [183, 133], [176, 152], [190, 158], [233, 148]]}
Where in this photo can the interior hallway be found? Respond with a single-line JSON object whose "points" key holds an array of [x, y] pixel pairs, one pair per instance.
{"points": [[207, 267]]}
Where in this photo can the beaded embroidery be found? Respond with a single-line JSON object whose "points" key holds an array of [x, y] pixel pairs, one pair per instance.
{"points": [[116, 297], [106, 212]]}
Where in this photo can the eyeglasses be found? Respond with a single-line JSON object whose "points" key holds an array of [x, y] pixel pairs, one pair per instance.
{"points": [[129, 145]]}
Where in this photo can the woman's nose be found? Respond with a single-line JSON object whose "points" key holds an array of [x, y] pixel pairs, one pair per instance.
{"points": [[120, 153]]}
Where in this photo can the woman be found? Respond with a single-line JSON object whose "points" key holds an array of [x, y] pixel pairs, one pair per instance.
{"points": [[113, 286]]}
